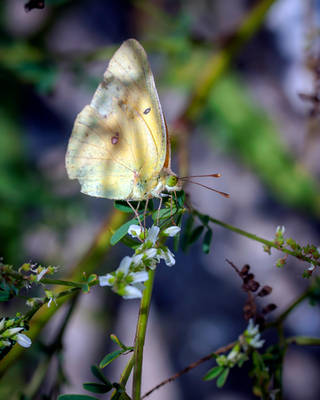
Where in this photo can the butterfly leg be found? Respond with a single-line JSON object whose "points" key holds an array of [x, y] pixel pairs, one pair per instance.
{"points": [[135, 211], [158, 212], [144, 215], [171, 209]]}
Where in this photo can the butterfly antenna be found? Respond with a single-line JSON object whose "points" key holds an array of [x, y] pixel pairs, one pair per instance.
{"points": [[202, 176], [207, 187]]}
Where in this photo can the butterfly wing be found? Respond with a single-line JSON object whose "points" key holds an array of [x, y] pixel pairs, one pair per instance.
{"points": [[118, 144]]}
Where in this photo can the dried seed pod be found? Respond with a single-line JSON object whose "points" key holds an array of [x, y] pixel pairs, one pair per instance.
{"points": [[265, 291]]}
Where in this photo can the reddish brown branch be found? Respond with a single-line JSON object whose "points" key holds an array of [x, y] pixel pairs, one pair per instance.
{"points": [[189, 368]]}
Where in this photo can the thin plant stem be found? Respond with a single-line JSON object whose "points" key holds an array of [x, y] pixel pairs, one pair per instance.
{"points": [[127, 371], [303, 341], [291, 307], [259, 239], [140, 336], [125, 374]]}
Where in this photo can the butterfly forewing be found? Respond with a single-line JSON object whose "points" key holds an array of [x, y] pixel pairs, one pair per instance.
{"points": [[120, 139]]}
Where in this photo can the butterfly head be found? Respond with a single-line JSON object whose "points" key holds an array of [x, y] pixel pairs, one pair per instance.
{"points": [[172, 182]]}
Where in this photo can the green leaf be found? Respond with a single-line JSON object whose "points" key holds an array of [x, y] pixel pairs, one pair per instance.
{"points": [[187, 232], [213, 373], [117, 341], [96, 371], [176, 239], [110, 357], [164, 213], [207, 241], [130, 242], [181, 197], [92, 278], [195, 234], [223, 377], [122, 206], [204, 219], [85, 288], [76, 397], [122, 231], [97, 387]]}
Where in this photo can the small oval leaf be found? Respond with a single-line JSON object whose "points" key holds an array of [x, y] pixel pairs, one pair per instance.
{"points": [[213, 373], [110, 357], [122, 231], [207, 241], [97, 387], [195, 234], [223, 377], [96, 371]]}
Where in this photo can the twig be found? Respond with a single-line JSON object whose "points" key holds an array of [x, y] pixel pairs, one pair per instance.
{"points": [[190, 367]]}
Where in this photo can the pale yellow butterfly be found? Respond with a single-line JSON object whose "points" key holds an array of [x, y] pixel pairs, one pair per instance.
{"points": [[119, 147]]}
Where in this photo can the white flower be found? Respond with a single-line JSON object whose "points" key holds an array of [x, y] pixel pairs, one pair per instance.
{"points": [[252, 329], [150, 253], [12, 331], [256, 342], [234, 354], [51, 299], [172, 231], [252, 335], [153, 233], [137, 258], [23, 340], [168, 257], [280, 229], [132, 292], [142, 276], [125, 265], [134, 230], [41, 274], [312, 267], [2, 323], [106, 280]]}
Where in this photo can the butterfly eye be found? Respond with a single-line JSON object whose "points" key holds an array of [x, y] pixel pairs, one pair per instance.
{"points": [[172, 181], [147, 110]]}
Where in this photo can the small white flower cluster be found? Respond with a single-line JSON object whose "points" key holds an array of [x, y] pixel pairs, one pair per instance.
{"points": [[132, 272], [252, 336], [280, 230], [238, 354], [10, 335]]}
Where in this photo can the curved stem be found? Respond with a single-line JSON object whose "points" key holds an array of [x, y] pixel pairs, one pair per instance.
{"points": [[259, 239], [140, 336]]}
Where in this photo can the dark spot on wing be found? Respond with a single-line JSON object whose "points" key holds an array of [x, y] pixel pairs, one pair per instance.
{"points": [[147, 110], [115, 139]]}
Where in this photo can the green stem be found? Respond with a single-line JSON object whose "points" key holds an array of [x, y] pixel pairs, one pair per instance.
{"points": [[303, 341], [125, 374], [291, 307], [140, 336], [60, 282], [127, 371], [256, 238]]}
